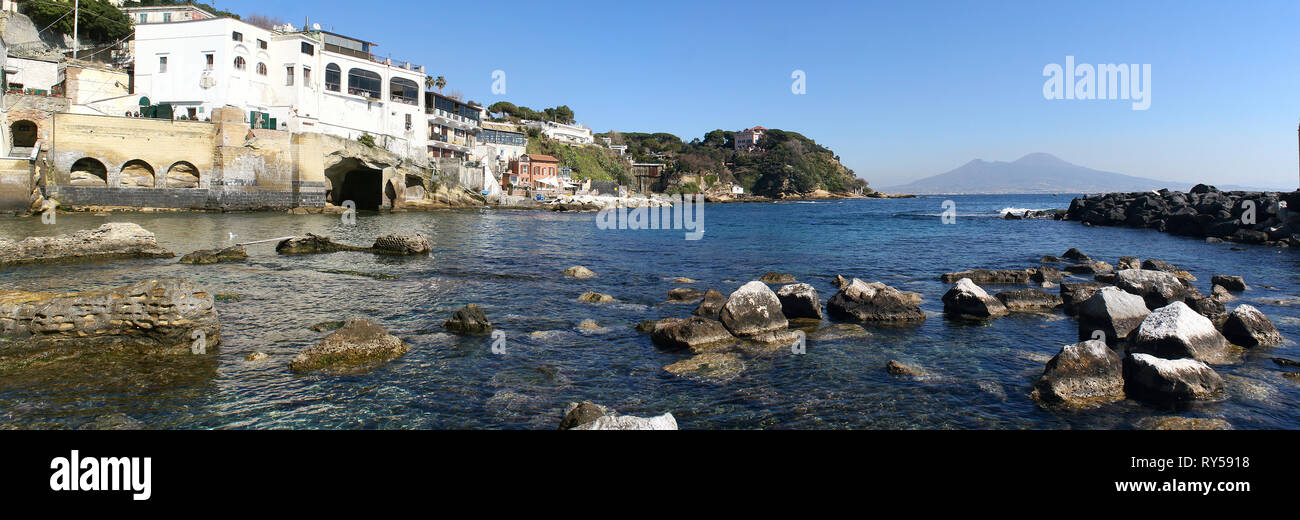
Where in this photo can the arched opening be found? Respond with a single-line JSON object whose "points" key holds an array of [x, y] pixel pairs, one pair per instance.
{"points": [[136, 174], [24, 134], [404, 91], [414, 188], [351, 180], [182, 175], [362, 82], [240, 63], [333, 77], [88, 172], [390, 194]]}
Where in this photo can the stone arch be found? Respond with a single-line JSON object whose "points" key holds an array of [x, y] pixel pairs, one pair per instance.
{"points": [[182, 175], [24, 133], [390, 193], [350, 179], [136, 174], [88, 171]]}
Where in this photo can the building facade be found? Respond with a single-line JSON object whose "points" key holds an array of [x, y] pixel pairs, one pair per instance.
{"points": [[532, 173], [453, 127], [165, 14], [575, 134], [300, 81], [748, 138]]}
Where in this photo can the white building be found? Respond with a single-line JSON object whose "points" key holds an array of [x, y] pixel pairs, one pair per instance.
{"points": [[300, 81], [164, 13], [32, 74], [576, 134]]}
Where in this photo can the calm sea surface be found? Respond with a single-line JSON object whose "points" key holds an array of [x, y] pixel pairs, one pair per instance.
{"points": [[510, 262]]}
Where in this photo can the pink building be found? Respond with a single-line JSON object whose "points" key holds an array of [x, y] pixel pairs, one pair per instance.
{"points": [[747, 139]]}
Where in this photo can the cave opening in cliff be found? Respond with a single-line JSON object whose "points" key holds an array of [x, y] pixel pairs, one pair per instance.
{"points": [[361, 185]]}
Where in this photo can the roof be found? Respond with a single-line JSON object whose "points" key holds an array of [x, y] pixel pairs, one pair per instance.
{"points": [[540, 157]]}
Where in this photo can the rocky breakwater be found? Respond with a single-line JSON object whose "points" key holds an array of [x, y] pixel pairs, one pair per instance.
{"points": [[1267, 218], [599, 202], [110, 241], [150, 322]]}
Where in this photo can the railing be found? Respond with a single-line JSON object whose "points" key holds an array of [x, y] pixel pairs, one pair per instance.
{"points": [[349, 52]]}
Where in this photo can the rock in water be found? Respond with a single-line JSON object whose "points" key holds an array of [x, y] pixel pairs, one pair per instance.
{"points": [[595, 297], [1128, 262], [629, 422], [1028, 300], [215, 256], [967, 300], [109, 241], [1231, 283], [469, 319], [752, 310], [777, 278], [685, 294], [839, 281], [312, 243], [1158, 288], [694, 333], [360, 342], [1090, 268], [1073, 294], [899, 368], [1113, 312], [1175, 332], [162, 316], [1169, 380], [800, 300], [1182, 423], [402, 245], [873, 302], [577, 414], [1082, 374], [714, 367], [579, 272], [1076, 255], [1248, 327], [711, 307]]}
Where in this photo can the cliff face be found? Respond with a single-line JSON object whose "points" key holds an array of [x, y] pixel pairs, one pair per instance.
{"points": [[1240, 216]]}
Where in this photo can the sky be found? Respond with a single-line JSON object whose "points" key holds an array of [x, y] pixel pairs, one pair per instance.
{"points": [[900, 90]]}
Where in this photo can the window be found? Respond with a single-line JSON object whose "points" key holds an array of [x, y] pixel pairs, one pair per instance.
{"points": [[333, 78], [404, 91], [288, 75], [162, 64], [362, 82], [308, 49], [167, 17], [208, 59], [261, 69], [306, 77], [240, 64], [237, 36], [144, 18], [261, 44], [408, 121]]}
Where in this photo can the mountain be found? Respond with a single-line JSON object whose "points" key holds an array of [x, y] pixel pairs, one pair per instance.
{"points": [[1033, 173]]}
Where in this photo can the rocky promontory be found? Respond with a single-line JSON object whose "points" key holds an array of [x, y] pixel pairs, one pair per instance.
{"points": [[1240, 216], [110, 241]]}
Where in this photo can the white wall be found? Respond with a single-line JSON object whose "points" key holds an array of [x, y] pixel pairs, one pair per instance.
{"points": [[31, 73]]}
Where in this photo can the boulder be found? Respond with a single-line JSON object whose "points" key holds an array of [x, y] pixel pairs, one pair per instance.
{"points": [[107, 242], [579, 272], [1248, 327], [216, 256], [1222, 294], [595, 297], [1231, 283], [588, 325], [839, 281], [359, 343], [987, 276], [753, 309], [1076, 255], [1175, 332], [399, 244], [900, 368], [1165, 423], [685, 295], [1028, 300], [629, 422], [774, 278], [1075, 293], [694, 333], [800, 301], [967, 300], [1082, 374], [1044, 275], [710, 367], [873, 302], [1149, 377], [1128, 262], [1209, 307], [711, 307], [1049, 259], [312, 243], [1158, 288], [1090, 268], [577, 414], [469, 319], [1113, 312], [1158, 265]]}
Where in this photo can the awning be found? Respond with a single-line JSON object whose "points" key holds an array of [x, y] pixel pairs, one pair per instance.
{"points": [[548, 181]]}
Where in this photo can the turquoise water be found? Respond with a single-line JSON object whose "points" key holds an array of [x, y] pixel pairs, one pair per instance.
{"points": [[510, 262]]}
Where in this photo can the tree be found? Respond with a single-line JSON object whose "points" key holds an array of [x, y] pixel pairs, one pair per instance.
{"points": [[97, 21], [440, 82], [428, 83], [264, 21]]}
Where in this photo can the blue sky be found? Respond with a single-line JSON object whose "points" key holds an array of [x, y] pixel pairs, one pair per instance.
{"points": [[901, 90]]}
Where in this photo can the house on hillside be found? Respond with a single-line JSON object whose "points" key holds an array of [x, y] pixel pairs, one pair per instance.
{"points": [[532, 173], [747, 139]]}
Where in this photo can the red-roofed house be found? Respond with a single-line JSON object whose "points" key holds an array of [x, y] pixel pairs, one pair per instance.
{"points": [[533, 172], [747, 139]]}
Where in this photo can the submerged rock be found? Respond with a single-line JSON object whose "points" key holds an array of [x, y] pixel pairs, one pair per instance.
{"points": [[900, 368], [712, 367], [579, 272], [839, 281], [1182, 423], [577, 414], [774, 278], [1028, 300], [967, 300], [216, 256], [711, 307], [469, 319], [1082, 374], [1231, 283], [1113, 312], [629, 422], [360, 342], [595, 297], [312, 243], [800, 301], [988, 276], [1076, 255], [753, 309], [1175, 332], [1128, 262], [1090, 268], [694, 333], [873, 302], [401, 244], [1170, 380], [110, 241], [1248, 327]]}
